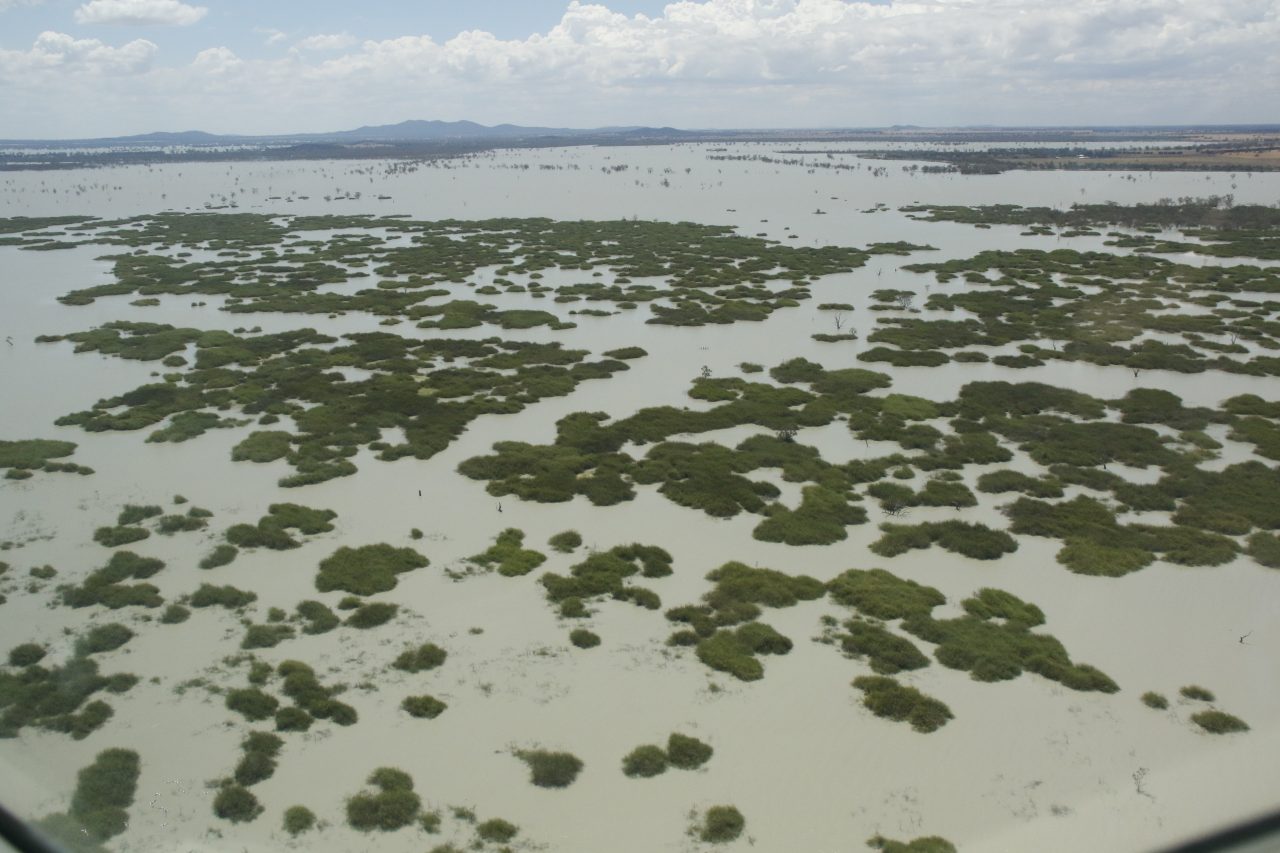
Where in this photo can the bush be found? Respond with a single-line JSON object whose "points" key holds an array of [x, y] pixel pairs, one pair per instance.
{"points": [[888, 653], [298, 819], [551, 769], [103, 638], [319, 618], [292, 719], [174, 614], [687, 753], [372, 615], [421, 707], [366, 570], [104, 791], [252, 703], [1155, 700], [221, 555], [133, 514], [1265, 548], [265, 636], [885, 697], [584, 639], [566, 541], [497, 831], [236, 804], [645, 762], [424, 657], [924, 844], [721, 824], [254, 767], [229, 597], [1219, 722], [507, 557], [114, 537], [1195, 691], [393, 806], [26, 654]]}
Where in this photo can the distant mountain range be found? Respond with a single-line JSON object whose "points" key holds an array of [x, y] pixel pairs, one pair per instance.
{"points": [[405, 131]]}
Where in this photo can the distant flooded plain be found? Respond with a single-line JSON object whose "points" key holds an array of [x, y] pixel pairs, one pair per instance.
{"points": [[1024, 762]]}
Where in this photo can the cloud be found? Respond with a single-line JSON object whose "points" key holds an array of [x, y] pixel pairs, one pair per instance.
{"points": [[9, 4], [335, 41], [753, 63], [271, 36], [139, 13], [53, 52]]}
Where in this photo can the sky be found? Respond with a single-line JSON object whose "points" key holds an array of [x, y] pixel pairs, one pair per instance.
{"points": [[92, 68]]}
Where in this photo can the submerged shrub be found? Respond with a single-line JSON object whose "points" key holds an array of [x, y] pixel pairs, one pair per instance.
{"points": [[298, 819], [236, 804], [424, 657], [372, 615], [924, 844], [221, 555], [507, 557], [427, 707], [1195, 691], [1219, 722], [551, 769], [721, 824], [392, 806], [645, 762], [584, 639], [26, 654], [885, 697], [1154, 700], [687, 753], [366, 570], [565, 541], [497, 830], [103, 638], [252, 703], [229, 597]]}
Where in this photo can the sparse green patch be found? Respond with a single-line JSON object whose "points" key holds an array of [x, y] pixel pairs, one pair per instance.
{"points": [[372, 615], [368, 569], [427, 707], [508, 557], [221, 555], [549, 769], [566, 541], [924, 844], [1197, 693], [425, 657], [885, 697], [1219, 722], [1155, 700]]}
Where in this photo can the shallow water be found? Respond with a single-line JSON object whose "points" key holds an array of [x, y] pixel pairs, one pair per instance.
{"points": [[809, 767]]}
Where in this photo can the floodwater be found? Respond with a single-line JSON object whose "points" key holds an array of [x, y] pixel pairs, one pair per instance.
{"points": [[1025, 764]]}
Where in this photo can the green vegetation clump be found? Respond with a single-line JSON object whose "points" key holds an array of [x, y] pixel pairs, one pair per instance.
{"points": [[584, 639], [687, 753], [1219, 722], [368, 569], [1155, 700], [57, 698], [105, 585], [372, 615], [1265, 549], [298, 819], [602, 573], [135, 514], [566, 541], [265, 636], [969, 539], [1196, 692], [885, 697], [252, 703], [820, 519], [887, 653], [549, 769], [508, 557], [258, 761], [734, 651], [317, 616], [924, 844], [229, 597], [625, 353], [26, 654], [721, 824], [392, 806], [497, 831], [103, 638], [302, 686], [424, 657], [99, 805], [263, 446], [645, 762], [221, 555], [427, 707], [293, 719], [883, 595], [23, 457], [272, 530], [236, 803], [114, 537]]}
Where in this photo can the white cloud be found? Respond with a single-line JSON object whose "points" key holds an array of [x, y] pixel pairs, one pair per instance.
{"points": [[270, 36], [333, 41], [740, 63], [139, 12], [53, 52]]}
